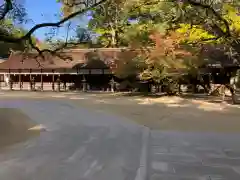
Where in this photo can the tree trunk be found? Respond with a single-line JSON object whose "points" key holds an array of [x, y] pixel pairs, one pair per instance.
{"points": [[233, 95], [113, 36], [194, 88], [179, 88]]}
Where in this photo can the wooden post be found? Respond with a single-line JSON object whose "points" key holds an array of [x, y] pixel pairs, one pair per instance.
{"points": [[53, 84], [84, 84], [64, 83], [64, 80], [2, 79], [33, 84], [41, 80], [59, 83], [20, 81], [30, 82], [10, 83], [30, 79]]}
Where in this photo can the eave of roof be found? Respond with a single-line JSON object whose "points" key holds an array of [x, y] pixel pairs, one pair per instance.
{"points": [[19, 60]]}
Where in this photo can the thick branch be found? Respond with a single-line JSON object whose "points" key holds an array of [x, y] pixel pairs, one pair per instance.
{"points": [[57, 51], [38, 26], [218, 16], [6, 9]]}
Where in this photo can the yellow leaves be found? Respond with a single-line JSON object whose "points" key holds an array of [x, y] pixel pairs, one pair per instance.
{"points": [[233, 17], [66, 10], [193, 33], [102, 31], [197, 33]]}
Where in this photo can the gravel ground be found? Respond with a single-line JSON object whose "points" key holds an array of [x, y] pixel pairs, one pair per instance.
{"points": [[169, 113], [164, 113], [77, 144], [86, 133]]}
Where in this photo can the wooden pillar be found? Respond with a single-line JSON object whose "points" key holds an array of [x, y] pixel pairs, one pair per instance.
{"points": [[2, 79], [64, 80], [10, 83], [59, 83], [41, 82], [53, 83], [9, 79], [64, 83], [34, 83], [30, 80], [20, 81], [84, 84]]}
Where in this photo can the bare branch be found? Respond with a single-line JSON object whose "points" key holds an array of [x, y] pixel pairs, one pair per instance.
{"points": [[37, 49], [55, 52], [7, 7], [57, 24]]}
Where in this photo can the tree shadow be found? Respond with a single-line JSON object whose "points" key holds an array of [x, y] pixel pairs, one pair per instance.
{"points": [[14, 127], [210, 98], [143, 94]]}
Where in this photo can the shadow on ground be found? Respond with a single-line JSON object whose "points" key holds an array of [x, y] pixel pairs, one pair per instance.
{"points": [[170, 113], [186, 113], [14, 127], [205, 97]]}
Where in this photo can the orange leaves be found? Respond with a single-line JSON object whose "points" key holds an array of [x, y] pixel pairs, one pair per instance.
{"points": [[168, 42], [126, 64], [168, 51], [168, 45]]}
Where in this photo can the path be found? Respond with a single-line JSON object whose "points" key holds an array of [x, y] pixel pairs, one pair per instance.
{"points": [[78, 145], [97, 123], [194, 156]]}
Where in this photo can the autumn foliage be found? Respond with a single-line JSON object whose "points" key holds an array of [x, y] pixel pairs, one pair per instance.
{"points": [[168, 50], [154, 62], [168, 56]]}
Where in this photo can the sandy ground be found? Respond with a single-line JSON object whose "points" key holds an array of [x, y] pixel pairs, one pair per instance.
{"points": [[78, 144], [168, 113], [89, 136], [164, 113]]}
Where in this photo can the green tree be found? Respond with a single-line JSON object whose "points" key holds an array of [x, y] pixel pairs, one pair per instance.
{"points": [[109, 22], [8, 7], [9, 29]]}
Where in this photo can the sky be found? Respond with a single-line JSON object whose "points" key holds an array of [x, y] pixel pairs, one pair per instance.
{"points": [[40, 11]]}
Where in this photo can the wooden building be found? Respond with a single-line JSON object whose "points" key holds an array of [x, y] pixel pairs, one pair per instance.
{"points": [[84, 68], [220, 65]]}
